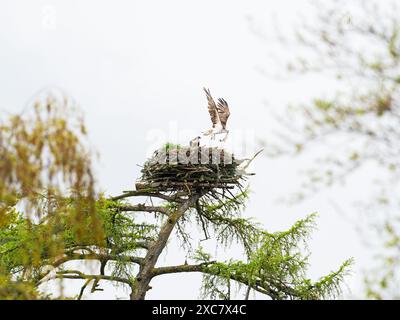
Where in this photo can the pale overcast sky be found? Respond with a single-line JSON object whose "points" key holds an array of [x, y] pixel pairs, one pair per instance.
{"points": [[138, 67]]}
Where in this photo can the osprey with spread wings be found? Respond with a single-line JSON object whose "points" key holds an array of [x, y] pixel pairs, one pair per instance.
{"points": [[219, 114]]}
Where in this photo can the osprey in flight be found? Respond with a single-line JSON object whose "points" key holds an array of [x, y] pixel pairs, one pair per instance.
{"points": [[219, 114]]}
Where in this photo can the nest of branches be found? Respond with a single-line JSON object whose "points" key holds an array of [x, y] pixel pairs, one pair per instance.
{"points": [[189, 168]]}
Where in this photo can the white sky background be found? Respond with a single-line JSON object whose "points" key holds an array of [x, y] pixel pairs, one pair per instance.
{"points": [[136, 67]]}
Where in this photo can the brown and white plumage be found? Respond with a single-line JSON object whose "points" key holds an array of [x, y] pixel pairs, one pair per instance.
{"points": [[223, 112], [219, 114], [212, 108]]}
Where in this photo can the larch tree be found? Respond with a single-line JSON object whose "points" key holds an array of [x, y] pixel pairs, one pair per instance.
{"points": [[51, 214]]}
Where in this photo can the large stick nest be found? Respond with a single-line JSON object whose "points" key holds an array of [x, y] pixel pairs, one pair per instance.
{"points": [[187, 168]]}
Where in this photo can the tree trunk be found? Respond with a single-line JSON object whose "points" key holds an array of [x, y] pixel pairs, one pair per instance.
{"points": [[146, 272]]}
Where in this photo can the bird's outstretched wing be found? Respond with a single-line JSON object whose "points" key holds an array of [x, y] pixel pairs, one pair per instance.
{"points": [[223, 111], [212, 108]]}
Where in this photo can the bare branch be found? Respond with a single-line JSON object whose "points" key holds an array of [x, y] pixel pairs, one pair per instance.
{"points": [[75, 256], [142, 208], [75, 274], [144, 193], [83, 288], [203, 268], [181, 268]]}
